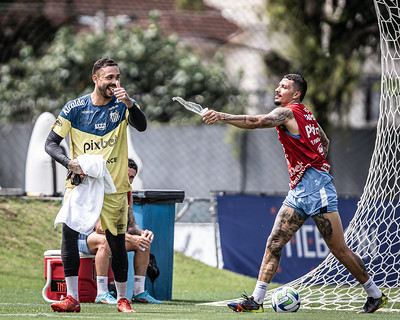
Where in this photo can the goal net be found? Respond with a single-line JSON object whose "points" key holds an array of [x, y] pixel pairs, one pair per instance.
{"points": [[374, 232]]}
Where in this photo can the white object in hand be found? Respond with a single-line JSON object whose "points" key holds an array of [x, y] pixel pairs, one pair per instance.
{"points": [[191, 106]]}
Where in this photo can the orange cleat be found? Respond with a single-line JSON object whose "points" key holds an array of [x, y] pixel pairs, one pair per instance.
{"points": [[124, 305], [67, 304]]}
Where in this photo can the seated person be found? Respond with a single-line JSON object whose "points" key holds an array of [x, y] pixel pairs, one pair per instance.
{"points": [[136, 239]]}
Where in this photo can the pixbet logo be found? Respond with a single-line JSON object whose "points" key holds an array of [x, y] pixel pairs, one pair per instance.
{"points": [[312, 130], [97, 145]]}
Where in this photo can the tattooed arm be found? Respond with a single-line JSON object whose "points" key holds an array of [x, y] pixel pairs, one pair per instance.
{"points": [[324, 140], [133, 227], [278, 116]]}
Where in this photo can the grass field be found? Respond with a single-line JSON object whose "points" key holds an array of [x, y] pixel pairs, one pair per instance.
{"points": [[26, 231]]}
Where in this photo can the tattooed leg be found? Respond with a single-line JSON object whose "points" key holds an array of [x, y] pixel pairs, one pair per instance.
{"points": [[330, 227], [287, 222]]}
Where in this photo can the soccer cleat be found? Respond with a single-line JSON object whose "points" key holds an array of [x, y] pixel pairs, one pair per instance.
{"points": [[373, 304], [106, 298], [145, 297], [123, 305], [67, 304], [247, 305]]}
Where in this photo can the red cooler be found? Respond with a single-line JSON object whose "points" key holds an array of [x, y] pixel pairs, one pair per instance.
{"points": [[55, 288]]}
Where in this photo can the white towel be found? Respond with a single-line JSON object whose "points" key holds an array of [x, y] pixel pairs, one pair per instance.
{"points": [[82, 208]]}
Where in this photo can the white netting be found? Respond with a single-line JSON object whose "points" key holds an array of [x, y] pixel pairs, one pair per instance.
{"points": [[374, 232]]}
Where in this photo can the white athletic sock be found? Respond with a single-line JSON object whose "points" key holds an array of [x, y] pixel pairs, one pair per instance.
{"points": [[102, 285], [371, 289], [121, 289], [138, 284], [72, 287], [259, 291]]}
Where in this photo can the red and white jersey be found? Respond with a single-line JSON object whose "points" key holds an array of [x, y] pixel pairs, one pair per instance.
{"points": [[303, 151]]}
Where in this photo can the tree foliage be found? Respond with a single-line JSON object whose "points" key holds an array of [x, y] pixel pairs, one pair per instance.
{"points": [[329, 41], [153, 69]]}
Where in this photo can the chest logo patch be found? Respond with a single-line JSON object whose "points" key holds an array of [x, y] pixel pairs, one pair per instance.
{"points": [[114, 116]]}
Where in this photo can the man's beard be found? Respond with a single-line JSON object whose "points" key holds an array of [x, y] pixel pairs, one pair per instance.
{"points": [[104, 93]]}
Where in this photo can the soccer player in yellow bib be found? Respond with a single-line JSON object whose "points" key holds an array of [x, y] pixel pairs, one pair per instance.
{"points": [[97, 124]]}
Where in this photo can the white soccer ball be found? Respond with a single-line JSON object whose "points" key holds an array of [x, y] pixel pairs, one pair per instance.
{"points": [[285, 299]]}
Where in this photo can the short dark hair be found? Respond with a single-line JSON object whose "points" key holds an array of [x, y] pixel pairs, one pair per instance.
{"points": [[102, 63], [299, 82], [132, 164]]}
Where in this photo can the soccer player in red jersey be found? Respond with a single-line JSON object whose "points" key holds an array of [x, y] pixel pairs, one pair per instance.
{"points": [[312, 193]]}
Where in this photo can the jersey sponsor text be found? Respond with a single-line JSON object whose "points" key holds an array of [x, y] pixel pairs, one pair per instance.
{"points": [[97, 145], [73, 104]]}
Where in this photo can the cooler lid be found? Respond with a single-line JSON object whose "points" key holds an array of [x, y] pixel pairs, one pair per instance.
{"points": [[157, 196]]}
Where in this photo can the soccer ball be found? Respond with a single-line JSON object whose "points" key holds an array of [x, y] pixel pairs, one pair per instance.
{"points": [[285, 299]]}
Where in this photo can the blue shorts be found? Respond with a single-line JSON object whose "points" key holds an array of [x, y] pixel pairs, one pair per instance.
{"points": [[82, 244], [321, 201]]}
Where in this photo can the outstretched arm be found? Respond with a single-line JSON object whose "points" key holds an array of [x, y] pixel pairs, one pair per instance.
{"points": [[278, 116]]}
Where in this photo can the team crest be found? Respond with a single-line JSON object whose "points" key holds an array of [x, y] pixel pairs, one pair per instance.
{"points": [[114, 116]]}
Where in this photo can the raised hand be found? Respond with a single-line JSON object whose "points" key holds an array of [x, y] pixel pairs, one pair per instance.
{"points": [[122, 95]]}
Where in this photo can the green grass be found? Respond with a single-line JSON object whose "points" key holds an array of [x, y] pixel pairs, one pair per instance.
{"points": [[26, 231]]}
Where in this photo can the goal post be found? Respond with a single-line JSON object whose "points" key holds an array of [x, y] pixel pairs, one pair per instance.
{"points": [[374, 232]]}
